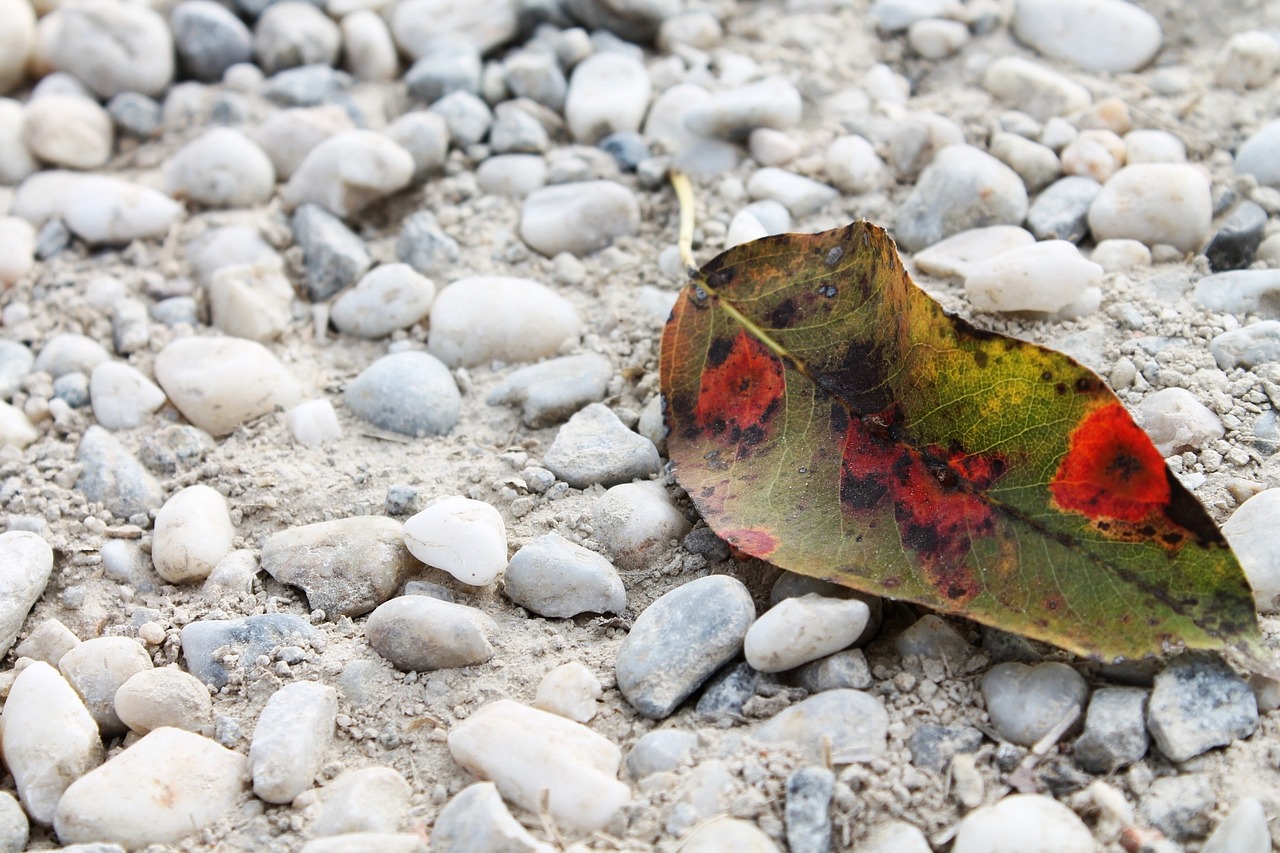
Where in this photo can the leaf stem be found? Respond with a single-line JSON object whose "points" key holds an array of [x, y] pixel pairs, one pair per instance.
{"points": [[684, 194]]}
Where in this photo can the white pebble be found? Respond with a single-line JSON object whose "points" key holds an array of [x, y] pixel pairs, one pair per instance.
{"points": [[1120, 255], [1177, 421], [16, 160], [771, 147], [1097, 154], [113, 47], [570, 690], [1247, 61], [418, 633], [48, 641], [608, 93], [164, 696], [96, 669], [17, 37], [937, 38], [854, 167], [193, 532], [802, 629], [349, 171], [1025, 703], [579, 217], [290, 740], [252, 301], [122, 397], [221, 168], [219, 383], [17, 248], [26, 561], [313, 423], [514, 175], [68, 131], [464, 537], [1046, 277], [105, 210], [800, 195], [743, 228], [1101, 35], [288, 136], [1243, 831], [636, 520], [1154, 203], [292, 33], [1036, 164], [1033, 823], [487, 318], [370, 799], [369, 52], [1153, 146], [1254, 533], [1035, 89], [960, 254]]}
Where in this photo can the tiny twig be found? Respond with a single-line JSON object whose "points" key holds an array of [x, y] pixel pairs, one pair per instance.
{"points": [[684, 194]]}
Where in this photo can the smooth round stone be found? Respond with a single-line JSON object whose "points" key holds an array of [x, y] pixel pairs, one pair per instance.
{"points": [[17, 249], [1036, 164], [306, 86], [16, 429], [697, 29], [387, 298], [16, 361], [418, 633], [680, 640], [516, 130], [16, 160], [15, 830], [1046, 277], [594, 446], [487, 24], [1025, 703], [960, 254], [221, 168], [734, 113], [915, 140], [346, 566], [209, 39], [1153, 146], [848, 725], [937, 38], [122, 397], [962, 188], [447, 66], [17, 39], [515, 175], [541, 760], [288, 136], [69, 352], [894, 16], [464, 537], [96, 669], [1115, 730], [1098, 35], [114, 47], [219, 383], [1176, 421], [370, 799], [895, 836], [290, 34], [1243, 831], [660, 751], [102, 210], [1255, 344], [496, 318], [369, 52], [69, 131], [467, 117], [411, 393], [1034, 89], [425, 135], [854, 167], [26, 561], [1259, 155], [193, 532], [1254, 533], [635, 521], [580, 217], [553, 390], [800, 195], [349, 171], [803, 629], [554, 577], [166, 696], [728, 834], [231, 246], [290, 740], [1061, 212], [1241, 292], [570, 690], [1236, 244], [1121, 255], [113, 476], [167, 786], [1154, 203], [1248, 60], [930, 637], [536, 75], [49, 738], [743, 228], [608, 92], [1025, 823], [1094, 153]]}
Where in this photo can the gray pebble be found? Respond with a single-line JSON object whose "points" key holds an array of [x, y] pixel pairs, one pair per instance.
{"points": [[72, 388], [680, 640], [1061, 212], [173, 447], [209, 39], [425, 136], [595, 447], [1115, 730], [290, 740], [1259, 155], [1001, 646], [931, 637], [48, 641], [1026, 702], [551, 391], [843, 670], [800, 195], [130, 326], [634, 20], [579, 217], [535, 74], [467, 117], [134, 114], [734, 113], [248, 639], [418, 633], [477, 819], [627, 148], [729, 689], [1199, 703], [402, 499], [516, 131], [52, 238], [227, 731], [1237, 241], [554, 577], [1179, 806], [847, 726], [514, 175], [335, 257], [124, 562], [308, 86], [15, 363], [1242, 292], [932, 746], [962, 188], [112, 476], [411, 393], [704, 541], [423, 245], [447, 65], [1255, 344], [660, 751], [808, 809], [69, 352]]}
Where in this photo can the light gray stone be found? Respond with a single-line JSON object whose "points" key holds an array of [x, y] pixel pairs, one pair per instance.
{"points": [[554, 577], [595, 447]]}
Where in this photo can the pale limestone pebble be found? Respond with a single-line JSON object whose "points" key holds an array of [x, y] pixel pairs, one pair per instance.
{"points": [[660, 751], [1097, 154], [914, 141], [802, 629], [652, 423], [1244, 830], [1120, 255], [894, 836], [111, 475], [477, 819], [313, 423], [937, 38], [219, 383], [962, 188], [854, 167], [1099, 35], [464, 537], [635, 521], [1247, 347], [17, 248], [770, 147], [410, 392], [743, 228], [1258, 155], [556, 578], [1154, 203], [288, 136], [17, 39], [15, 829], [291, 34], [1034, 89], [730, 833], [251, 301], [894, 16], [849, 726], [49, 738], [1026, 823], [234, 575], [114, 47], [26, 561], [551, 391], [419, 633], [1176, 421], [1248, 60], [48, 641], [370, 799], [608, 92], [800, 195], [104, 210], [68, 131], [16, 160], [540, 760], [1241, 292], [665, 123], [387, 298], [734, 113], [368, 50], [167, 786], [570, 690], [164, 696], [1036, 164], [595, 447], [346, 566], [695, 28], [931, 637], [1048, 277], [498, 318], [229, 246], [364, 842], [121, 396], [1254, 533], [349, 171], [221, 168], [1153, 146], [193, 533], [1025, 703], [886, 86], [466, 115], [425, 135], [16, 429], [16, 361], [486, 23], [290, 740], [579, 217], [958, 255], [96, 669], [68, 352]]}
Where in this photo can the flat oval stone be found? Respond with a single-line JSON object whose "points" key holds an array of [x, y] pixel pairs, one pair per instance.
{"points": [[554, 577], [1098, 35], [1039, 823], [1026, 702], [193, 532], [418, 633], [26, 562], [488, 318], [849, 725], [803, 629], [219, 383], [580, 217], [290, 740], [411, 393]]}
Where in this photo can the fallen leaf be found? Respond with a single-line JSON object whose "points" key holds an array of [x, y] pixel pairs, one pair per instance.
{"points": [[827, 415]]}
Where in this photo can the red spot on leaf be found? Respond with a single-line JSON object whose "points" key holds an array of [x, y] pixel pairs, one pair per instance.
{"points": [[1111, 470], [750, 541], [742, 387]]}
